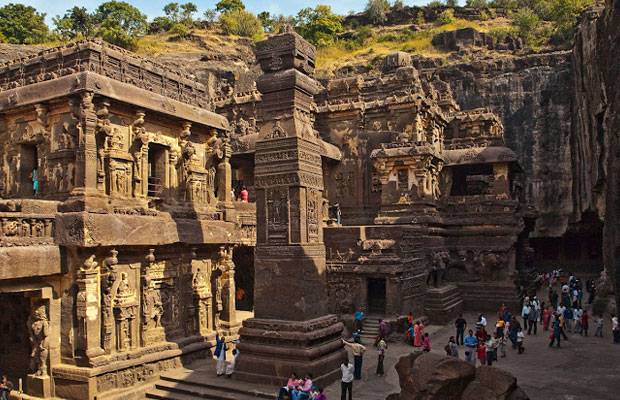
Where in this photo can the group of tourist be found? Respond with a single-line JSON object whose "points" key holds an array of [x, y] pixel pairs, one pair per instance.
{"points": [[481, 346], [240, 194], [415, 335], [222, 366], [301, 389]]}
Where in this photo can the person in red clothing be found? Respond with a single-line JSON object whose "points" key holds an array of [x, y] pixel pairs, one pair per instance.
{"points": [[585, 320], [546, 318], [482, 353], [244, 195]]}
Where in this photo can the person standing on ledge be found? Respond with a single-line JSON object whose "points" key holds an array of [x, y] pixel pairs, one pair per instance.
{"points": [[346, 383], [244, 195], [359, 319], [460, 325], [358, 357], [220, 354]]}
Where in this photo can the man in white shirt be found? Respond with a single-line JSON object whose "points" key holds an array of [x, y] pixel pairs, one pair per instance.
{"points": [[347, 380]]}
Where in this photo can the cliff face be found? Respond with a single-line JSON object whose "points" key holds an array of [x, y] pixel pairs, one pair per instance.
{"points": [[595, 144], [533, 96]]}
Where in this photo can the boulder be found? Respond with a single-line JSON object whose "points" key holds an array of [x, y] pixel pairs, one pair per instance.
{"points": [[429, 376]]}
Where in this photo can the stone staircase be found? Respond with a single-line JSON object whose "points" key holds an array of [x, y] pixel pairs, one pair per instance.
{"points": [[443, 304], [202, 383], [371, 329]]}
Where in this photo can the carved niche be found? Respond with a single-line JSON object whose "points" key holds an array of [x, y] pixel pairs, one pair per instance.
{"points": [[277, 214]]}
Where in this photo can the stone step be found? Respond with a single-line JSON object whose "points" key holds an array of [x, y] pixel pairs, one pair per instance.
{"points": [[220, 384], [168, 390]]}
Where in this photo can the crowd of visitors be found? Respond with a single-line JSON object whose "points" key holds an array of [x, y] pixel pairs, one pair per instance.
{"points": [[564, 312]]}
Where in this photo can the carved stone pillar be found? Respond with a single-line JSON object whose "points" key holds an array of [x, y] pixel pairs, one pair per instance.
{"points": [[224, 184], [291, 330], [228, 316], [88, 307], [86, 155]]}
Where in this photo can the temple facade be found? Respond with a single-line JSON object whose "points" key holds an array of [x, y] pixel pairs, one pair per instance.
{"points": [[118, 226]]}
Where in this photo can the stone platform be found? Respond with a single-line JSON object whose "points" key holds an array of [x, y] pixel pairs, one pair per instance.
{"points": [[489, 296], [443, 304], [200, 381]]}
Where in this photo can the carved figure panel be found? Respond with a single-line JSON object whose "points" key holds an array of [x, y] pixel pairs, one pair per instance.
{"points": [[277, 214]]}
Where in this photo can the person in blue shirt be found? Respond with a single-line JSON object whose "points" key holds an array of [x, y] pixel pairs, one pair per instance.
{"points": [[470, 347], [359, 318]]}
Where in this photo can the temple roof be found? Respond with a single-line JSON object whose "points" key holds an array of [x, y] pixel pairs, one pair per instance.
{"points": [[479, 155]]}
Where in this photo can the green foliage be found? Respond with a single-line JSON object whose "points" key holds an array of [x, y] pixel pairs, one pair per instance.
{"points": [[241, 23], [210, 16], [435, 4], [446, 17], [452, 3], [22, 24], [318, 25], [476, 3], [398, 5], [266, 20], [419, 19], [225, 6], [120, 23], [376, 11], [525, 21], [160, 25], [77, 22], [507, 4], [180, 31], [500, 33]]}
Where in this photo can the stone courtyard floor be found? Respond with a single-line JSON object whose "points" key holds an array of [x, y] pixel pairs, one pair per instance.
{"points": [[584, 368]]}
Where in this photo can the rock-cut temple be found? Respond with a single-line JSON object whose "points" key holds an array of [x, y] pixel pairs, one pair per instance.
{"points": [[123, 249]]}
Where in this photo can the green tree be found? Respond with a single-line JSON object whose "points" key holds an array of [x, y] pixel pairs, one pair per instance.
{"points": [[224, 6], [77, 22], [22, 24], [160, 25], [120, 23], [452, 3], [240, 22], [446, 16], [525, 21], [376, 11], [187, 13], [476, 3], [210, 16], [435, 4], [172, 12], [266, 21], [398, 5], [318, 25]]}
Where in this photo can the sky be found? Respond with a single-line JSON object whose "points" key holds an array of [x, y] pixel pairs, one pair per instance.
{"points": [[153, 8]]}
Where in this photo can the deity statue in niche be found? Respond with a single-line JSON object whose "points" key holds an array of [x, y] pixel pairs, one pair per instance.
{"points": [[39, 332], [153, 309]]}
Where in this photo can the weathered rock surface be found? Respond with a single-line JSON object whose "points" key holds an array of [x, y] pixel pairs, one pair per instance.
{"points": [[596, 118], [532, 94], [431, 376]]}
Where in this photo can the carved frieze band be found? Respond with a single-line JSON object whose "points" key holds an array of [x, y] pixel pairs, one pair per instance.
{"points": [[314, 181]]}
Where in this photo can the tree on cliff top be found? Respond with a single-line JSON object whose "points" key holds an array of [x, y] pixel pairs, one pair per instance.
{"points": [[376, 11], [318, 25], [242, 23], [224, 6], [77, 22], [22, 24], [120, 23]]}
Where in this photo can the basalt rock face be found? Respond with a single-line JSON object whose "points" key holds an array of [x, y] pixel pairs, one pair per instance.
{"points": [[596, 119], [429, 376], [532, 94]]}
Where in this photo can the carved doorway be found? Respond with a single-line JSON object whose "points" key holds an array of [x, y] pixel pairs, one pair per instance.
{"points": [[376, 295], [243, 257], [157, 164], [28, 170], [14, 337]]}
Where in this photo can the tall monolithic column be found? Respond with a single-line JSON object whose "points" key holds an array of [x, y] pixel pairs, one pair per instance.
{"points": [[292, 330]]}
